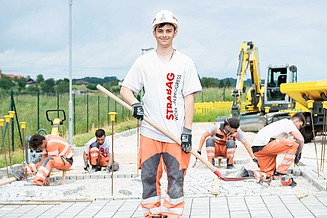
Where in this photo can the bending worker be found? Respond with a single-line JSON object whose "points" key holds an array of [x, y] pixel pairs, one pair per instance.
{"points": [[56, 154], [220, 140], [97, 153], [280, 137]]}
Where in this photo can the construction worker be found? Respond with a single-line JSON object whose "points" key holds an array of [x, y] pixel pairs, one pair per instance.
{"points": [[97, 153], [170, 81], [56, 154], [220, 140], [280, 137]]}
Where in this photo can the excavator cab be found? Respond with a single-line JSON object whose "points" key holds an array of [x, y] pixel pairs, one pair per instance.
{"points": [[273, 97]]}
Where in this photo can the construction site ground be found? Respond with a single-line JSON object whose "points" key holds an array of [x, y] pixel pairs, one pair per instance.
{"points": [[101, 195]]}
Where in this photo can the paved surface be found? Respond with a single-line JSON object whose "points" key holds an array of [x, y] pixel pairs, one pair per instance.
{"points": [[100, 195]]}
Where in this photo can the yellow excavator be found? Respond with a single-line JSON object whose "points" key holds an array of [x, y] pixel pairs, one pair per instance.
{"points": [[265, 103], [313, 96]]}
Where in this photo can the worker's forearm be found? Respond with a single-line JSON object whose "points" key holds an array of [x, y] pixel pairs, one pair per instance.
{"points": [[201, 143], [189, 111], [248, 149], [127, 95]]}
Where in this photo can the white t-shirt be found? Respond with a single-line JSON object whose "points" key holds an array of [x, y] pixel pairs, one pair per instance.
{"points": [[104, 148], [165, 85], [278, 129]]}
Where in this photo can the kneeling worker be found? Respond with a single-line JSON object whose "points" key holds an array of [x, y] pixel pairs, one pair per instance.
{"points": [[220, 140], [280, 137], [56, 154], [97, 153]]}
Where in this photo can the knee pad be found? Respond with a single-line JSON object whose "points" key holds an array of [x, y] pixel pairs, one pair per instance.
{"points": [[94, 145], [230, 144], [45, 162], [210, 142]]}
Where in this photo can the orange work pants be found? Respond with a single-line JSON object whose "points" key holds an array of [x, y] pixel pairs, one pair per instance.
{"points": [[153, 157], [267, 156], [215, 149], [46, 166]]}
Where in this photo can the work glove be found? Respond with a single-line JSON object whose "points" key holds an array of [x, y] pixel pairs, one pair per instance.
{"points": [[297, 158], [137, 111], [186, 140], [255, 160], [86, 166]]}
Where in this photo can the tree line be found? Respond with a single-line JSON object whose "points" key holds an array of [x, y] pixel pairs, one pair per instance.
{"points": [[26, 84]]}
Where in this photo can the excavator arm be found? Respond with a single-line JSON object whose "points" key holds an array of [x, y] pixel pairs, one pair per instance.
{"points": [[248, 60]]}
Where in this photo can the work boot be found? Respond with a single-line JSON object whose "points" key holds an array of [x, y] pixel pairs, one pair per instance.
{"points": [[213, 162], [287, 180], [19, 174], [230, 166], [93, 169]]}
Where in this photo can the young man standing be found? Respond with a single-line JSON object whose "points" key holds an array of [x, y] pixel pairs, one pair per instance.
{"points": [[221, 141], [170, 81], [97, 153], [280, 137]]}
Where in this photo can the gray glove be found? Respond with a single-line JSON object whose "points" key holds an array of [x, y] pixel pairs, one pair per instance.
{"points": [[255, 160], [297, 158], [186, 140], [137, 111]]}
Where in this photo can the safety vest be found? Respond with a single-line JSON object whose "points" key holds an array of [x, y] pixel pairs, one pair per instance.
{"points": [[221, 135]]}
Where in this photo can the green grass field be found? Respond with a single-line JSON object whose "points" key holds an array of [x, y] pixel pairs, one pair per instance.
{"points": [[91, 111]]}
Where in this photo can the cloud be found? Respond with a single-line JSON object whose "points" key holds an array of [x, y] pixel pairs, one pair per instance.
{"points": [[109, 35]]}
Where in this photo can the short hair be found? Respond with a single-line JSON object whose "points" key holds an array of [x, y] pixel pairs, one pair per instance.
{"points": [[99, 133], [35, 141], [232, 122], [163, 24], [300, 117]]}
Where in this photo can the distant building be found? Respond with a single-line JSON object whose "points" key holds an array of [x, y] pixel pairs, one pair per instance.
{"points": [[81, 82], [30, 81], [79, 91], [10, 75]]}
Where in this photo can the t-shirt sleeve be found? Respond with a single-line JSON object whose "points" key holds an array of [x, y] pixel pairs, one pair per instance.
{"points": [[192, 82], [133, 78], [87, 145], [240, 135]]}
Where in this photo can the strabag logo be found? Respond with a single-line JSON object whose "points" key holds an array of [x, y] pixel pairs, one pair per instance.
{"points": [[172, 91]]}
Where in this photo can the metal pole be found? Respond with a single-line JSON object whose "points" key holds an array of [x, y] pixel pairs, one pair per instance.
{"points": [[23, 125], [11, 114], [70, 109], [112, 118], [7, 119], [138, 145], [3, 144]]}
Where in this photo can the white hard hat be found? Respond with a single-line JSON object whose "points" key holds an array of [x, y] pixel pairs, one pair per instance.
{"points": [[165, 16]]}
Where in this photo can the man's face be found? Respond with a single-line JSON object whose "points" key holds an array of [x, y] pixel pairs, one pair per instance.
{"points": [[100, 140], [298, 123], [230, 129], [164, 35], [42, 146]]}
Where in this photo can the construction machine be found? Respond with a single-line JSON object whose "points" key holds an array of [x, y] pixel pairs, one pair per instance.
{"points": [[313, 96], [265, 103]]}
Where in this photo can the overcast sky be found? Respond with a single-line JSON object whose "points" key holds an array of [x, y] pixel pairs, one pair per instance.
{"points": [[109, 35]]}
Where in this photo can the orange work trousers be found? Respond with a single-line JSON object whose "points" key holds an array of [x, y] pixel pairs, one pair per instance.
{"points": [[267, 156], [47, 165], [215, 149], [154, 157]]}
